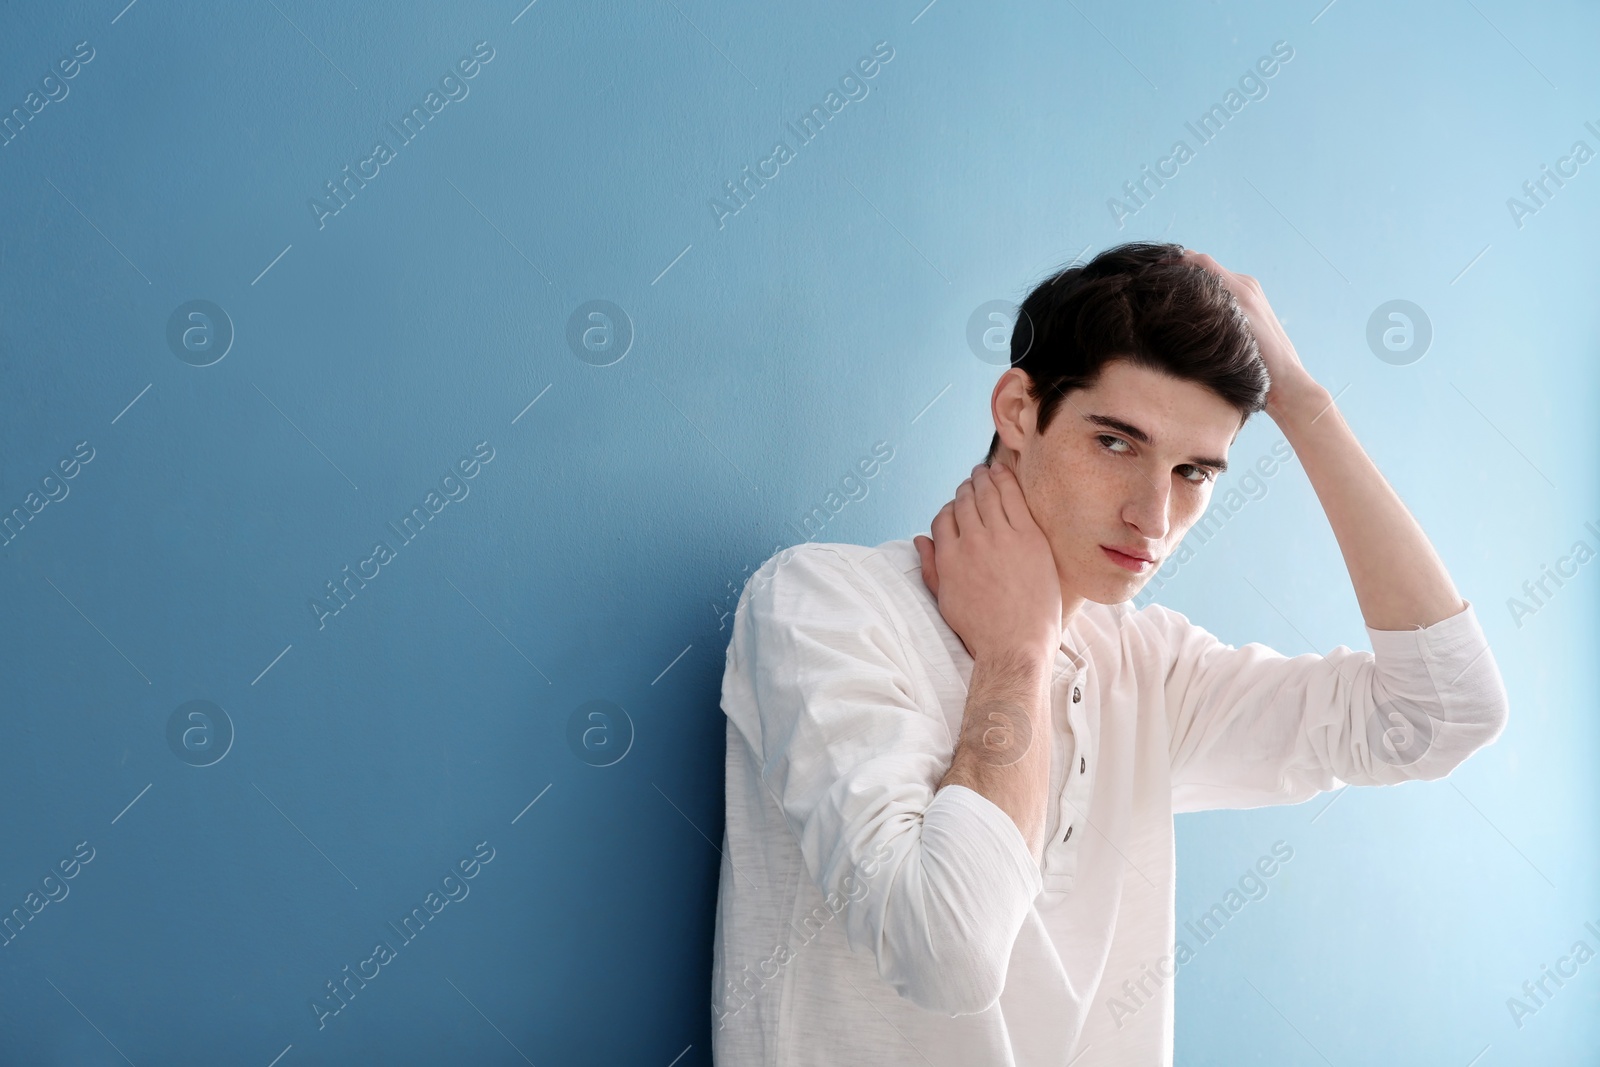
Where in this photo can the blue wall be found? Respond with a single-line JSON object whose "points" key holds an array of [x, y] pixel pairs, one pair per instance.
{"points": [[593, 491]]}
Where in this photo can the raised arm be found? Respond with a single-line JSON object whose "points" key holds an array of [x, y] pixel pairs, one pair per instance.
{"points": [[1250, 726], [1399, 580]]}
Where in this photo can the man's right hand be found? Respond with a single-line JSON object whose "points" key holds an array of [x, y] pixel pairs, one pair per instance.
{"points": [[991, 569]]}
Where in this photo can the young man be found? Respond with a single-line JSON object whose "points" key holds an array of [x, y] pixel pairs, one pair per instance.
{"points": [[953, 762]]}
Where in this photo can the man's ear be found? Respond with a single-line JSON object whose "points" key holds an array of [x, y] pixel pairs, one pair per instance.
{"points": [[1011, 394]]}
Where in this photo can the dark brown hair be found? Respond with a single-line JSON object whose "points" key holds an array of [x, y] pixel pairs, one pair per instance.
{"points": [[1137, 302]]}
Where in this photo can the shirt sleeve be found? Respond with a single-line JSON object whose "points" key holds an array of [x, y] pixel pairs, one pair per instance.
{"points": [[853, 761], [1250, 727]]}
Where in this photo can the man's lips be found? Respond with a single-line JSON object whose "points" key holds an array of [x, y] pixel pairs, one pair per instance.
{"points": [[1131, 560]]}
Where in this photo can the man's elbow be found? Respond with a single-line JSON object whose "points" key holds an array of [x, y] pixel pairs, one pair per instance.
{"points": [[957, 988], [952, 906], [1479, 732], [959, 964], [1499, 716], [1490, 722]]}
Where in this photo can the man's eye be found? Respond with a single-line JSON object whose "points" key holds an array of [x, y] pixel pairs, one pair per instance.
{"points": [[1113, 440], [1205, 474]]}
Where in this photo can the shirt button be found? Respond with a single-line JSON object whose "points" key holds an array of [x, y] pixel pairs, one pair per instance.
{"points": [[1077, 694], [1082, 765], [1069, 835]]}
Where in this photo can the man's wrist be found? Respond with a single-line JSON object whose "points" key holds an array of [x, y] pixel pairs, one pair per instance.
{"points": [[1020, 664], [1299, 400]]}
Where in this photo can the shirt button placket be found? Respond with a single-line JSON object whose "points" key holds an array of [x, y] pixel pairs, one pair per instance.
{"points": [[1083, 765]]}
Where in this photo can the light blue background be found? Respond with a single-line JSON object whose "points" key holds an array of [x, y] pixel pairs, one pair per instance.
{"points": [[598, 554]]}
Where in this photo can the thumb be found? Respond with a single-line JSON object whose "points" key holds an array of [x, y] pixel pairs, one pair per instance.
{"points": [[930, 573]]}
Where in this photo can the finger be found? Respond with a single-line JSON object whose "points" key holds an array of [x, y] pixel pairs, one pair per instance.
{"points": [[990, 510], [1011, 497], [944, 526], [930, 573], [966, 509]]}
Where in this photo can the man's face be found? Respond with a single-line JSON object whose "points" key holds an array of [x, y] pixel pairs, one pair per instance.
{"points": [[1091, 483]]}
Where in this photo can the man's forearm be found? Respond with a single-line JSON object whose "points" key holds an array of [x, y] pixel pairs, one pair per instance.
{"points": [[1004, 748], [1399, 580]]}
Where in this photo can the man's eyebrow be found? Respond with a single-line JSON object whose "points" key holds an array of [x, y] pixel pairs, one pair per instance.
{"points": [[1111, 422]]}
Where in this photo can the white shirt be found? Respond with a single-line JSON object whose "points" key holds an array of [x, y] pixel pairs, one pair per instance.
{"points": [[863, 918]]}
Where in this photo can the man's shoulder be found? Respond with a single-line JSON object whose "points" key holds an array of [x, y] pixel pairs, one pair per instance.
{"points": [[847, 561], [813, 592], [828, 582], [902, 551], [1157, 624]]}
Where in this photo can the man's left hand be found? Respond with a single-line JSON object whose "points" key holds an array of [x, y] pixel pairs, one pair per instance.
{"points": [[1283, 363]]}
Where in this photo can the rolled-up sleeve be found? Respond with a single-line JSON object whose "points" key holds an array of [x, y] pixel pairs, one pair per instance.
{"points": [[853, 762], [1250, 727]]}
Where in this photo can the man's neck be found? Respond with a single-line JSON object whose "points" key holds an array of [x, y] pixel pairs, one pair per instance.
{"points": [[1070, 607]]}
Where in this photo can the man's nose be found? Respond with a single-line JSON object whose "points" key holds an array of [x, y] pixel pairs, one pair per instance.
{"points": [[1148, 509]]}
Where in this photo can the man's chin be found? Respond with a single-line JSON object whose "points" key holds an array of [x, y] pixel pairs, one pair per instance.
{"points": [[1119, 592]]}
